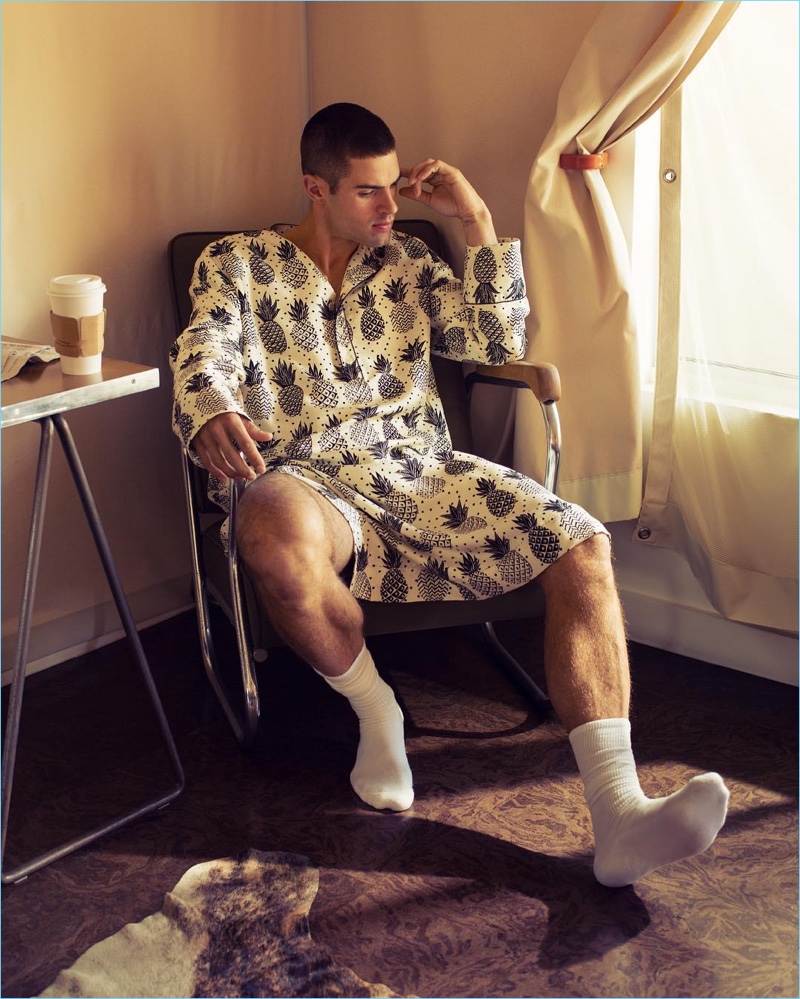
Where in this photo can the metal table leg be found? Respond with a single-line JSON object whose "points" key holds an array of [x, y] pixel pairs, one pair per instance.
{"points": [[18, 678]]}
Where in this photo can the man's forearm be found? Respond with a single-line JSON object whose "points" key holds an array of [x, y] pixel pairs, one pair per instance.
{"points": [[479, 229]]}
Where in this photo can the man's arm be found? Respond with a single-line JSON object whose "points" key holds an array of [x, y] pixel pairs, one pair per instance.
{"points": [[207, 367], [481, 319], [451, 195]]}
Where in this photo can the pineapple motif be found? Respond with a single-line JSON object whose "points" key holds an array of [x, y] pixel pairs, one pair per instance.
{"points": [[415, 248], [231, 263], [379, 450], [496, 353], [228, 287], [574, 520], [220, 316], [259, 401], [209, 399], [361, 586], [524, 484], [491, 327], [389, 386], [202, 285], [457, 466], [355, 388], [300, 444], [390, 431], [364, 269], [402, 314], [331, 437], [269, 328], [499, 502], [394, 588], [427, 286], [324, 392], [424, 485], [484, 585], [399, 504], [259, 268], [434, 417], [433, 580], [303, 333], [425, 540], [293, 271], [372, 323], [513, 265], [455, 340], [363, 433], [410, 419], [458, 520], [290, 396], [414, 354], [544, 543], [330, 468], [484, 267], [327, 311], [389, 528], [514, 567]]}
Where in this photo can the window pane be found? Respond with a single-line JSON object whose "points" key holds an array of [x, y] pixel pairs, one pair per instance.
{"points": [[739, 200]]}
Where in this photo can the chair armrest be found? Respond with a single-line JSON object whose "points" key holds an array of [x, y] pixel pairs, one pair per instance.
{"points": [[541, 378]]}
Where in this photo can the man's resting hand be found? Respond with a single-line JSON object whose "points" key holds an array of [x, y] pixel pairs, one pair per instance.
{"points": [[225, 446]]}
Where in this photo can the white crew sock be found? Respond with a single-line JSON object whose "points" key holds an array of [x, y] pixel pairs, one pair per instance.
{"points": [[635, 834], [381, 777]]}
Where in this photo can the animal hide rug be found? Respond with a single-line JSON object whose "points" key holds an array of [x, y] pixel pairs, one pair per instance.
{"points": [[234, 927]]}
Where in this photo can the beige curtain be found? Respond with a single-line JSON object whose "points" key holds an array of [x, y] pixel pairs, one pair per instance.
{"points": [[723, 465], [635, 56]]}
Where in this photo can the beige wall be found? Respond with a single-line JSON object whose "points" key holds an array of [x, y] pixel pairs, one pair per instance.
{"points": [[124, 123], [471, 83]]}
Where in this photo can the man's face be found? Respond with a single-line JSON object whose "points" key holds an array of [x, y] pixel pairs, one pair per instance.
{"points": [[364, 206]]}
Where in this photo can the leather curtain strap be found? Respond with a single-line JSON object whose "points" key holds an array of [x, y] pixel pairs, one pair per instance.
{"points": [[583, 161]]}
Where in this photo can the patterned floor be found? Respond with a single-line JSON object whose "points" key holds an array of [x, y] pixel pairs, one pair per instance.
{"points": [[484, 888]]}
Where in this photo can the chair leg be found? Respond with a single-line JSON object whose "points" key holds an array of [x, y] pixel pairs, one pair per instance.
{"points": [[245, 728], [528, 686]]}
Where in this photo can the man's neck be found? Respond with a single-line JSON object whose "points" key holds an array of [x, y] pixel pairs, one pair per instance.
{"points": [[331, 255]]}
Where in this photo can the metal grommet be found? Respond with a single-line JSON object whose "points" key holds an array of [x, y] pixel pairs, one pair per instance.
{"points": [[644, 533], [670, 176]]}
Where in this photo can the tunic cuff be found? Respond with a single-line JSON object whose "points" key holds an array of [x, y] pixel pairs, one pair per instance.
{"points": [[494, 273]]}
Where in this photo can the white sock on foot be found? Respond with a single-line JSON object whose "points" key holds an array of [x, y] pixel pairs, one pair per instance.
{"points": [[635, 834], [381, 777]]}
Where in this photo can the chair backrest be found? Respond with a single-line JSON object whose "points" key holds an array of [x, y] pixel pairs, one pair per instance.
{"points": [[185, 248]]}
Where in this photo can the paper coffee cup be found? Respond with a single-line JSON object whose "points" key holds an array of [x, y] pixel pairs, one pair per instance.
{"points": [[77, 318]]}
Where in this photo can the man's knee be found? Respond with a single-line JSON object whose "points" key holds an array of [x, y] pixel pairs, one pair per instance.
{"points": [[279, 535], [587, 565]]}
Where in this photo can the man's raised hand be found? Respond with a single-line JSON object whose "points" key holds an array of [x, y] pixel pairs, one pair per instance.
{"points": [[451, 195]]}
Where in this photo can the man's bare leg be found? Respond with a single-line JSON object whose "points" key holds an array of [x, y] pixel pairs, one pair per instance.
{"points": [[295, 543], [588, 680]]}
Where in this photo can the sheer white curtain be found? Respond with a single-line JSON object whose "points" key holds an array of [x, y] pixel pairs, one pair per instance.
{"points": [[721, 485]]}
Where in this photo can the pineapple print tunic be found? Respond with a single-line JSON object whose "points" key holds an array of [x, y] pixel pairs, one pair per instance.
{"points": [[346, 387]]}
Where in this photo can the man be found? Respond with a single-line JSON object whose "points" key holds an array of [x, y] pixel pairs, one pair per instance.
{"points": [[305, 371]]}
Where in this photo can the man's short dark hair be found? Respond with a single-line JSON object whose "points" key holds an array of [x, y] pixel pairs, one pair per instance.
{"points": [[339, 133]]}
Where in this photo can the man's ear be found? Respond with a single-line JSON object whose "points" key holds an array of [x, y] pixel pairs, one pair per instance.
{"points": [[316, 188]]}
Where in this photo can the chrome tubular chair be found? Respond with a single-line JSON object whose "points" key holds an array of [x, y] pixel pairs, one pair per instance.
{"points": [[222, 579]]}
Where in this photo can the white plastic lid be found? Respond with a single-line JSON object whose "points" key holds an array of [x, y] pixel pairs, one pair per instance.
{"points": [[76, 284]]}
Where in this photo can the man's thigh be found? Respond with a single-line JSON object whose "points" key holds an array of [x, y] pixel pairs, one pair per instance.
{"points": [[288, 508]]}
